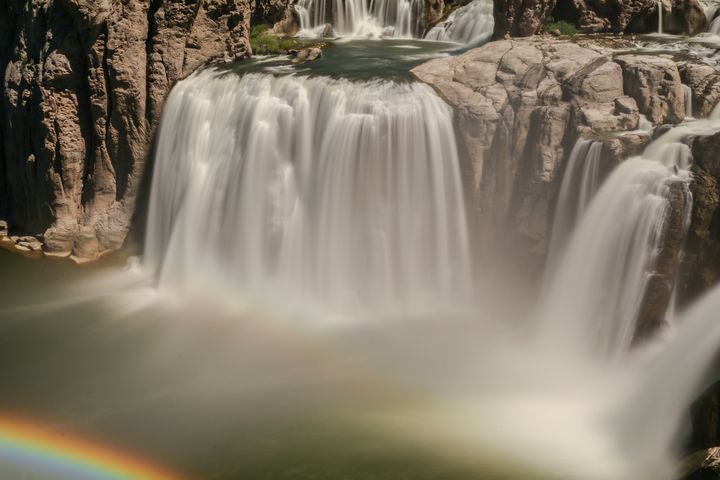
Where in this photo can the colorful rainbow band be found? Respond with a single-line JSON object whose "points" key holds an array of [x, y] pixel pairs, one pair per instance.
{"points": [[39, 449]]}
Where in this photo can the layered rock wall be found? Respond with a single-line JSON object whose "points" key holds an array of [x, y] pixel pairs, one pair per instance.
{"points": [[520, 18], [521, 105], [84, 83]]}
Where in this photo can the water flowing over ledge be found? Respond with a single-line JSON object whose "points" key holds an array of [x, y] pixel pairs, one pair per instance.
{"points": [[346, 195]]}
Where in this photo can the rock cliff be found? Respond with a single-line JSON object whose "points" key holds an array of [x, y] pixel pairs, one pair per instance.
{"points": [[520, 18], [520, 106], [84, 84]]}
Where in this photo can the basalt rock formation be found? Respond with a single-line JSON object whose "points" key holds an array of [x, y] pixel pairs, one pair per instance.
{"points": [[519, 18], [84, 85], [520, 106]]}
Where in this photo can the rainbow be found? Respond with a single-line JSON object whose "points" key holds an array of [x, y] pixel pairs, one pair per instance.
{"points": [[57, 455]]}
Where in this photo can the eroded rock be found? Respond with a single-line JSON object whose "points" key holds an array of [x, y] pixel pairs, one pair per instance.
{"points": [[84, 85]]}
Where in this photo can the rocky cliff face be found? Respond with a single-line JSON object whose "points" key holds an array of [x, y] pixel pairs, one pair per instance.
{"points": [[521, 18], [520, 107], [84, 85]]}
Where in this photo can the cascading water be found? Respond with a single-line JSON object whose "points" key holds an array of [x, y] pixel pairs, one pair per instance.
{"points": [[471, 24], [361, 18], [688, 101], [660, 16], [595, 297], [316, 191], [580, 182]]}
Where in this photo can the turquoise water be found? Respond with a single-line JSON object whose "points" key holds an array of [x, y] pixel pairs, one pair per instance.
{"points": [[355, 60]]}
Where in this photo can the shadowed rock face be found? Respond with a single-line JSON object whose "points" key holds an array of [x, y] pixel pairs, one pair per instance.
{"points": [[520, 18], [701, 253], [84, 85]]}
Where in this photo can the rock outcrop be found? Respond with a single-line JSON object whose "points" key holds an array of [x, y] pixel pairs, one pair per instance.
{"points": [[520, 106], [701, 253], [84, 85], [526, 17], [704, 82]]}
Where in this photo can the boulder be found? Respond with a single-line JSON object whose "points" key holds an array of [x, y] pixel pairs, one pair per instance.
{"points": [[700, 268], [654, 82], [307, 55]]}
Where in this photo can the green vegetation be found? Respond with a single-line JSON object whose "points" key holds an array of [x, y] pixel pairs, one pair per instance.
{"points": [[264, 42], [565, 28]]}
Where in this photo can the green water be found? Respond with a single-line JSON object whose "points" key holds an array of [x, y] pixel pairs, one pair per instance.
{"points": [[355, 60], [230, 396]]}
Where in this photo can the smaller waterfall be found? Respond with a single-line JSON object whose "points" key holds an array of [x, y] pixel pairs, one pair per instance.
{"points": [[594, 297], [580, 182], [688, 94], [471, 24], [660, 17], [361, 18]]}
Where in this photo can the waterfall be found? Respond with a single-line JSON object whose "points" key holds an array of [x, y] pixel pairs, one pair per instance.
{"points": [[580, 182], [310, 192], [660, 17], [361, 18], [596, 292], [471, 24], [688, 94], [714, 27]]}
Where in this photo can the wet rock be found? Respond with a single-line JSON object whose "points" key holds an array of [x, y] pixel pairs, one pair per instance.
{"points": [[702, 465], [86, 246], [704, 82], [705, 418], [307, 55], [661, 281]]}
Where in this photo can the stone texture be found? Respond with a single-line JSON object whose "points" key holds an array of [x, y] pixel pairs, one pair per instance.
{"points": [[521, 18], [520, 106], [655, 84], [704, 81], [84, 85], [702, 465], [701, 256]]}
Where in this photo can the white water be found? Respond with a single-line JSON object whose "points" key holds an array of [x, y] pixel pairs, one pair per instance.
{"points": [[600, 280], [714, 27], [688, 101], [307, 193], [361, 18], [471, 24], [579, 184]]}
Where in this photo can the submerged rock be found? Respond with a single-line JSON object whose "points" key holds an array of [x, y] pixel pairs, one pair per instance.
{"points": [[307, 55]]}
